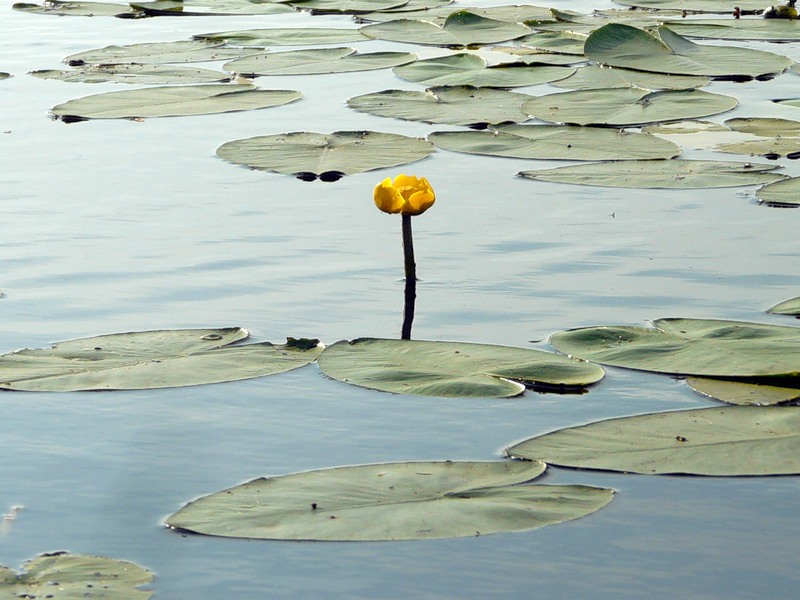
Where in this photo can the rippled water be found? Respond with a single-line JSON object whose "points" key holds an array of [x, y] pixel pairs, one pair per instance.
{"points": [[115, 226]]}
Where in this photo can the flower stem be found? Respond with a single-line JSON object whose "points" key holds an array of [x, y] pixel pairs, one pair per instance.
{"points": [[408, 249], [411, 279]]}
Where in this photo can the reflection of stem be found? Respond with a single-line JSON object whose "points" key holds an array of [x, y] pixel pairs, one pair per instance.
{"points": [[411, 278]]}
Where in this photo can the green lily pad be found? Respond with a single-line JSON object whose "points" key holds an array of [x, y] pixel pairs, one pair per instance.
{"points": [[626, 106], [795, 102], [287, 36], [205, 8], [728, 441], [559, 42], [772, 149], [150, 360], [704, 347], [598, 77], [781, 193], [460, 29], [667, 174], [621, 45], [133, 74], [349, 7], [173, 101], [470, 69], [451, 369], [783, 137], [316, 61], [182, 51], [556, 142], [450, 105], [700, 6], [438, 13], [773, 30], [743, 392], [63, 576], [787, 307], [76, 8], [327, 156], [531, 56], [390, 501], [765, 126]]}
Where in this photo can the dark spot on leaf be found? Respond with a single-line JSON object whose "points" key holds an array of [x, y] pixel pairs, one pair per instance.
{"points": [[211, 336]]}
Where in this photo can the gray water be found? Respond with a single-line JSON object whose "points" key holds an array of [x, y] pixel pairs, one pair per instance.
{"points": [[116, 225]]}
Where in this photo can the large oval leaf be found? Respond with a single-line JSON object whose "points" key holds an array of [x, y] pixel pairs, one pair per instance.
{"points": [[773, 30], [315, 61], [457, 105], [621, 45], [150, 359], [731, 441], [284, 36], [781, 193], [626, 106], [182, 51], [139, 74], [708, 347], [64, 576], [595, 77], [202, 8], [391, 501], [77, 8], [556, 142], [352, 7], [452, 369], [329, 156], [173, 101], [675, 174]]}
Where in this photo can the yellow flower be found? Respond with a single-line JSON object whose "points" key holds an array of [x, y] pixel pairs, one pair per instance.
{"points": [[408, 195]]}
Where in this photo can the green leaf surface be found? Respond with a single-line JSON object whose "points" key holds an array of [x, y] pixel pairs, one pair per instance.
{"points": [[765, 126], [705, 347], [743, 392], [317, 61], [451, 369], [781, 193], [598, 77], [312, 155], [794, 102], [75, 8], [149, 360], [173, 101], [556, 142], [63, 576], [460, 29], [755, 28], [138, 74], [666, 174], [470, 69], [558, 42], [351, 7], [787, 307], [284, 36], [728, 441], [182, 51], [450, 105], [772, 149], [621, 45], [700, 6], [391, 501], [626, 106], [203, 8]]}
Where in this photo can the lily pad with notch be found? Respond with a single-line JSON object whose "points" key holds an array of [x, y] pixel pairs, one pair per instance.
{"points": [[391, 501], [317, 61]]}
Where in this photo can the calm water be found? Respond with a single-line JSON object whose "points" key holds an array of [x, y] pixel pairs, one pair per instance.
{"points": [[116, 226]]}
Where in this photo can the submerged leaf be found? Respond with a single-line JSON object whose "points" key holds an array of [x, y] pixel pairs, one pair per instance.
{"points": [[451, 369], [730, 441], [316, 61], [390, 501], [148, 360]]}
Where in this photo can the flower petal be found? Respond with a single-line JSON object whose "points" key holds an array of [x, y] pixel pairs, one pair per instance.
{"points": [[387, 198]]}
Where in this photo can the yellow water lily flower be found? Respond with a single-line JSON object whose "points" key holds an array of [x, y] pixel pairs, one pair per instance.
{"points": [[407, 195]]}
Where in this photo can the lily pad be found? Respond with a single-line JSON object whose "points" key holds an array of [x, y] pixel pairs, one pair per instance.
{"points": [[795, 102], [182, 51], [150, 360], [470, 69], [173, 101], [327, 156], [316, 61], [621, 45], [781, 193], [704, 347], [76, 8], [556, 142], [668, 174], [286, 36], [205, 8], [772, 30], [771, 149], [450, 105], [743, 392], [765, 126], [460, 29], [787, 307], [597, 77], [700, 6], [452, 369], [561, 42], [728, 441], [63, 576], [133, 74], [390, 501], [626, 106]]}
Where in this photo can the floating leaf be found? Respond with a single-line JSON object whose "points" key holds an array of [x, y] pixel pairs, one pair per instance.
{"points": [[391, 501], [561, 42], [149, 360], [771, 149], [202, 8], [701, 6], [556, 142], [517, 13], [451, 369], [133, 74], [460, 29], [706, 347], [159, 52], [773, 30], [626, 106], [64, 576], [598, 77], [291, 36], [781, 193], [76, 8], [765, 126], [787, 307], [315, 61], [456, 105], [621, 45], [795, 102], [351, 7], [673, 174], [729, 441], [470, 69], [173, 101], [742, 392]]}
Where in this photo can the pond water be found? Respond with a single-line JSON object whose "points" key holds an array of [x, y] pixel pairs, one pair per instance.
{"points": [[114, 226]]}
